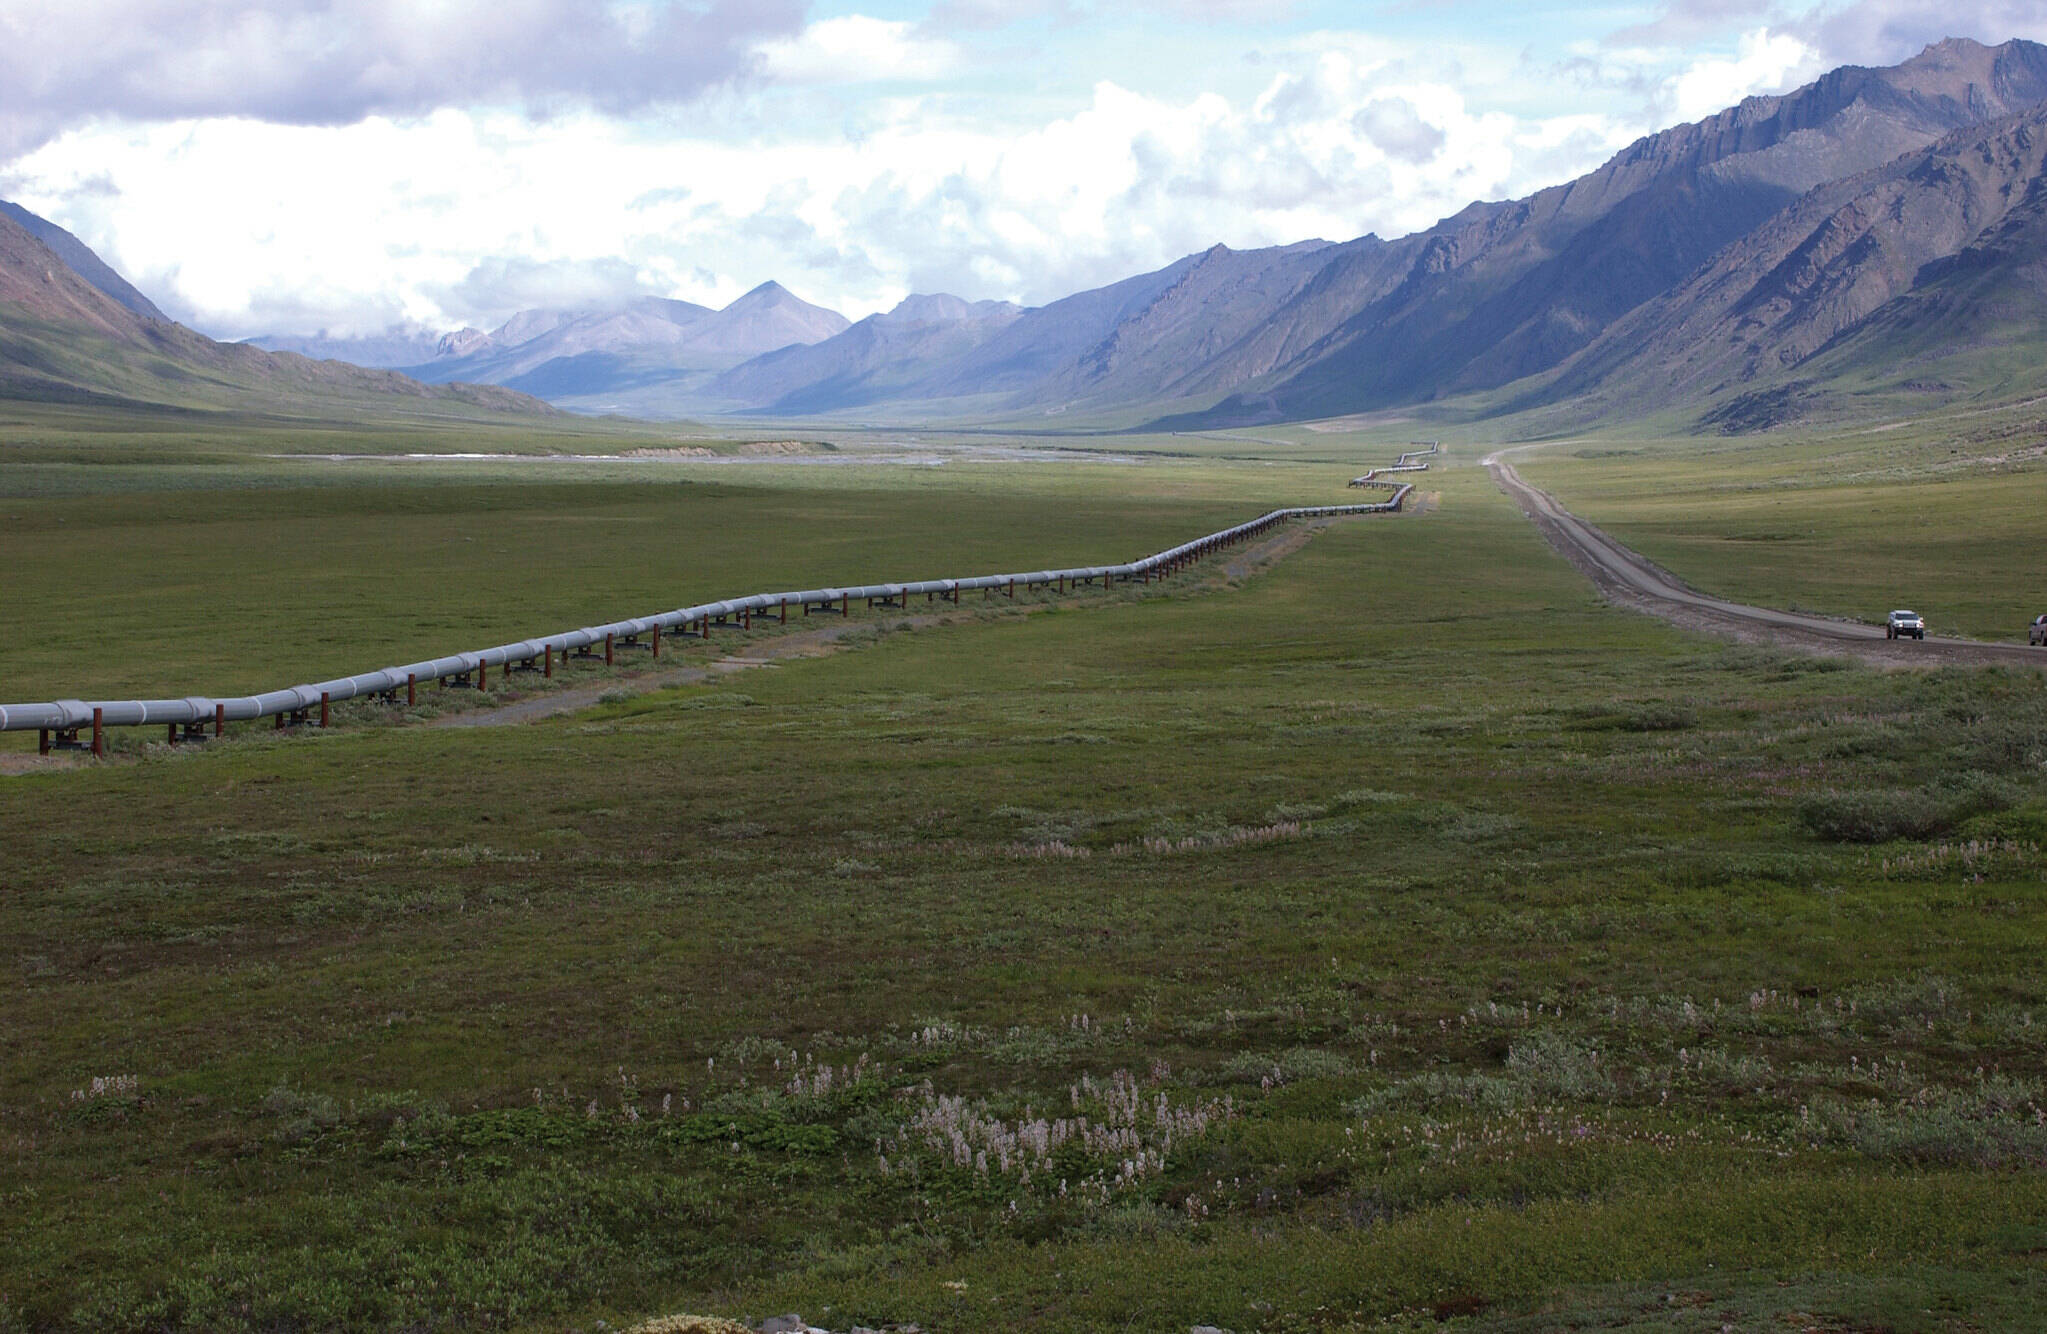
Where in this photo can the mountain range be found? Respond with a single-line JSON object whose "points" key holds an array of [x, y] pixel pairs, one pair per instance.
{"points": [[1878, 229]]}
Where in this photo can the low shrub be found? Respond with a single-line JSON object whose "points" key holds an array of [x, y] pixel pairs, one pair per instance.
{"points": [[1873, 817], [1880, 816]]}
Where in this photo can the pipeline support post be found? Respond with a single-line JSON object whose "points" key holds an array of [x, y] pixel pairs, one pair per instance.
{"points": [[42, 741], [482, 676], [99, 735], [170, 734], [657, 643], [219, 719], [548, 660], [323, 706], [608, 648], [411, 690]]}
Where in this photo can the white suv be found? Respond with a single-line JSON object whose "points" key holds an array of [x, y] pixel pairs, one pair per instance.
{"points": [[1903, 623]]}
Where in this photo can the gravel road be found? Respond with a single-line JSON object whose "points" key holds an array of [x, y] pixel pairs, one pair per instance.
{"points": [[1630, 580]]}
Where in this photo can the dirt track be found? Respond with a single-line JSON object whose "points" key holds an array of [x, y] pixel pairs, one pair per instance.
{"points": [[796, 644], [1629, 580]]}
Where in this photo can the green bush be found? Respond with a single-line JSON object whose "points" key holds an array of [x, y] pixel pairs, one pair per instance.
{"points": [[1873, 817], [1883, 816]]}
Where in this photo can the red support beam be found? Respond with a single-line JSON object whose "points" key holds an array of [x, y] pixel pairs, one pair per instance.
{"points": [[323, 708], [607, 649], [482, 678], [411, 690], [42, 741], [170, 734], [657, 642], [99, 736], [547, 660], [219, 719]]}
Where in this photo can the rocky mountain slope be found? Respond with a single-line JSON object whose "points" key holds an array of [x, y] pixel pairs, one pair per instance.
{"points": [[1906, 242], [1505, 291], [64, 339], [80, 259], [881, 357], [570, 354]]}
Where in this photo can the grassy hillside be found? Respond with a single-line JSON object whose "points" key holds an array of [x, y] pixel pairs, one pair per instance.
{"points": [[1404, 937]]}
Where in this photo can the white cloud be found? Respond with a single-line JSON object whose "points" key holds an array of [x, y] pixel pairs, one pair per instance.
{"points": [[460, 217], [317, 62], [1764, 62], [857, 49], [1884, 32]]}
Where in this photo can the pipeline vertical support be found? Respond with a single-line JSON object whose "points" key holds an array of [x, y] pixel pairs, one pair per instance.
{"points": [[846, 605], [42, 741], [785, 611], [411, 690], [280, 720], [482, 678], [170, 737], [219, 719], [607, 648], [323, 706], [99, 735], [547, 662], [657, 643], [746, 618]]}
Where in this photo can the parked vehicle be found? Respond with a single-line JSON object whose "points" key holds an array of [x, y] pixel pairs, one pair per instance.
{"points": [[2036, 633], [1903, 623]]}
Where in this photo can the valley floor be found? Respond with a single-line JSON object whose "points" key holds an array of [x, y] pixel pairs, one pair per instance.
{"points": [[1387, 933]]}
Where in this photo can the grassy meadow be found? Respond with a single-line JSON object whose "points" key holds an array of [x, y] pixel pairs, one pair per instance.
{"points": [[1392, 937]]}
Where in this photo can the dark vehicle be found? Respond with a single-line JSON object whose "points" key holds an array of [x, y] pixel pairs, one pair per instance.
{"points": [[1903, 623]]}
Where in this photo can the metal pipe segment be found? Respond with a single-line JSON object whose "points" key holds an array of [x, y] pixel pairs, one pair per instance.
{"points": [[69, 715], [1405, 463]]}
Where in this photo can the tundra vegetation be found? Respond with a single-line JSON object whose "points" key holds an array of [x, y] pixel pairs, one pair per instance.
{"points": [[1391, 935]]}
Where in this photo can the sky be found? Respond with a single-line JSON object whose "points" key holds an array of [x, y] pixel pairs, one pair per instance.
{"points": [[350, 166]]}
